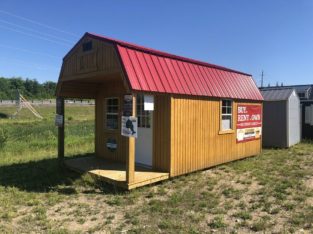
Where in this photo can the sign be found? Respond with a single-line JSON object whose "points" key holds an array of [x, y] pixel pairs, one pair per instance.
{"points": [[129, 126], [128, 105], [148, 103], [111, 144], [249, 122], [59, 120]]}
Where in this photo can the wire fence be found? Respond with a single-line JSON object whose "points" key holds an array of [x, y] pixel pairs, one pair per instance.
{"points": [[48, 102]]}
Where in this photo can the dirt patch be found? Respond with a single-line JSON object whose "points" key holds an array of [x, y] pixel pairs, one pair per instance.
{"points": [[309, 183]]}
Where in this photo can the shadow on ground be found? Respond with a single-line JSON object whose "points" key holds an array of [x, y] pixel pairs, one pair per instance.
{"points": [[3, 116], [48, 175]]}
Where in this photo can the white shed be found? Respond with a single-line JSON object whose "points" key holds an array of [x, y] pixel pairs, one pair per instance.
{"points": [[281, 118]]}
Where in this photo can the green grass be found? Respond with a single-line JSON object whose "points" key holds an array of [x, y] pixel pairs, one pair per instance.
{"points": [[272, 192]]}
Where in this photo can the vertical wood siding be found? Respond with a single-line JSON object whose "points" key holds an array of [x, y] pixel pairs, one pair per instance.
{"points": [[102, 57], [195, 140], [112, 89], [161, 133]]}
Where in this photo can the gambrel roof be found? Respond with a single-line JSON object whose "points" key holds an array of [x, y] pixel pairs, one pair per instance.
{"points": [[150, 70]]}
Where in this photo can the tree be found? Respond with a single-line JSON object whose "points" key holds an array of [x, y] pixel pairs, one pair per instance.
{"points": [[30, 88]]}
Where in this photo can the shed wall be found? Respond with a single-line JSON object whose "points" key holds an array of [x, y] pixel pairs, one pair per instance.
{"points": [[112, 89], [101, 59], [307, 129], [275, 124], [195, 140], [294, 122]]}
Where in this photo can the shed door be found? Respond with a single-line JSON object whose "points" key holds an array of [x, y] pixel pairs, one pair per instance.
{"points": [[145, 133]]}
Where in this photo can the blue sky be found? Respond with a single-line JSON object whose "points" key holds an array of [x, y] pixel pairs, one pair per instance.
{"points": [[250, 36]]}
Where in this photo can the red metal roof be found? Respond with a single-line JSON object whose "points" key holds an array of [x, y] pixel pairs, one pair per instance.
{"points": [[151, 70]]}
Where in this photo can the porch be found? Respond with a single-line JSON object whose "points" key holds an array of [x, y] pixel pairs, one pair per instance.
{"points": [[115, 172]]}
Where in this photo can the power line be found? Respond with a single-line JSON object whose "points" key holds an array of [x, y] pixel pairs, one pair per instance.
{"points": [[27, 64], [35, 31], [28, 51], [35, 36], [38, 23]]}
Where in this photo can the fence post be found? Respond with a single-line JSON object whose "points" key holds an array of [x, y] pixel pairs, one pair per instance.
{"points": [[60, 111]]}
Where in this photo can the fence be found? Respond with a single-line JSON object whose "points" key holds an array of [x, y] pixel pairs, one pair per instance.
{"points": [[48, 102]]}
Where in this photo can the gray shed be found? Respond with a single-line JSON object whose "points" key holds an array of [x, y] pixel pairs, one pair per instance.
{"points": [[281, 118]]}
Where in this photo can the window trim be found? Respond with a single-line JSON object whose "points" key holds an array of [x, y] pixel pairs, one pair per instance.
{"points": [[231, 130], [111, 113], [143, 115]]}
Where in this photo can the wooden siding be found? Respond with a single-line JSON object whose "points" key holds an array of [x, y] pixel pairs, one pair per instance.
{"points": [[71, 89], [102, 58], [161, 133], [111, 89], [195, 139]]}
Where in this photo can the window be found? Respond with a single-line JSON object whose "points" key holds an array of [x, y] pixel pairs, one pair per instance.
{"points": [[144, 117], [301, 95], [87, 46], [112, 113], [226, 115]]}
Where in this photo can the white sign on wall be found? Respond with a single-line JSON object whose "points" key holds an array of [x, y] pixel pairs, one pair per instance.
{"points": [[148, 102], [129, 126]]}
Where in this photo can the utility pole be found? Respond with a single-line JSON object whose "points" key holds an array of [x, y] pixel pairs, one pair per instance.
{"points": [[262, 78]]}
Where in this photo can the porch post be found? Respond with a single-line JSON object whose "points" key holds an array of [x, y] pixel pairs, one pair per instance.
{"points": [[130, 160], [60, 111]]}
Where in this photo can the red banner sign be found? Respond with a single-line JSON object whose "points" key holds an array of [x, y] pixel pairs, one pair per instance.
{"points": [[249, 122]]}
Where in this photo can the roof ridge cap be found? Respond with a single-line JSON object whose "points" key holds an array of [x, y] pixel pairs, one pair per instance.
{"points": [[163, 53]]}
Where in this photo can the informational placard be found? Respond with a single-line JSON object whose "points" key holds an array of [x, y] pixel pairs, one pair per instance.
{"points": [[129, 126], [59, 120], [249, 122], [148, 102], [128, 105]]}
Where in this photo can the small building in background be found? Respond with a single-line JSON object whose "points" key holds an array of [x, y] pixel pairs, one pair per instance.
{"points": [[305, 93], [281, 118]]}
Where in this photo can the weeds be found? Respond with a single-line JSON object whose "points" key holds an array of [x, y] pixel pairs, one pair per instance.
{"points": [[271, 192]]}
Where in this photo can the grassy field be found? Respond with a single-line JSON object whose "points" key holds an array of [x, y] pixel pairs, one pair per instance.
{"points": [[272, 192]]}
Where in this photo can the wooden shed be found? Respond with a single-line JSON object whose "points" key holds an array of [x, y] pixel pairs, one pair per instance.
{"points": [[182, 115]]}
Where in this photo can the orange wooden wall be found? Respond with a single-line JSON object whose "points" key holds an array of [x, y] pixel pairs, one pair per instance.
{"points": [[195, 140]]}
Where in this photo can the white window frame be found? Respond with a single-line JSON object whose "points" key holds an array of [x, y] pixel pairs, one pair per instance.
{"points": [[227, 114], [144, 117], [111, 113]]}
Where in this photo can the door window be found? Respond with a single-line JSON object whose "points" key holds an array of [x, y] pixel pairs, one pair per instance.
{"points": [[144, 117]]}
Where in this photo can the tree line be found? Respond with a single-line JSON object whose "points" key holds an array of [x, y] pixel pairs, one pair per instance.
{"points": [[29, 88]]}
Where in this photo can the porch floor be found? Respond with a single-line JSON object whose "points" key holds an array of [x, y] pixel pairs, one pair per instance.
{"points": [[115, 172]]}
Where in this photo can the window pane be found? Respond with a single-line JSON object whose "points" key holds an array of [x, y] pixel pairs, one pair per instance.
{"points": [[226, 122], [228, 110], [224, 110], [115, 101], [112, 122], [112, 113], [148, 121]]}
